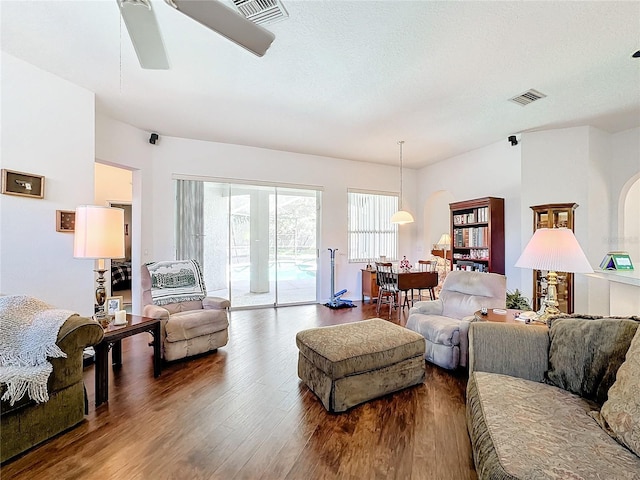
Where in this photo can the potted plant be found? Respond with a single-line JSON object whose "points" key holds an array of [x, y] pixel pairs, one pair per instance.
{"points": [[517, 301]]}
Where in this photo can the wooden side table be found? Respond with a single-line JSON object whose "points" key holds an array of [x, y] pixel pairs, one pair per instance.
{"points": [[369, 285], [113, 335], [491, 316], [509, 317]]}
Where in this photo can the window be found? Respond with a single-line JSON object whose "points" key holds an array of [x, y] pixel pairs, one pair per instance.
{"points": [[371, 233]]}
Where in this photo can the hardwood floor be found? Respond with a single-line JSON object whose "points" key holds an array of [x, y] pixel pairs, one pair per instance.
{"points": [[242, 413]]}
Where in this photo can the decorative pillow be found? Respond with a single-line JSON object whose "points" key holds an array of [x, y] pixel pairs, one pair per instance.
{"points": [[176, 281], [586, 351], [621, 412]]}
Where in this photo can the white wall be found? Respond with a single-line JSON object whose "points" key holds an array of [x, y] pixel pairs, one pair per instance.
{"points": [[177, 156], [112, 185], [625, 147], [122, 145], [491, 171], [47, 129]]}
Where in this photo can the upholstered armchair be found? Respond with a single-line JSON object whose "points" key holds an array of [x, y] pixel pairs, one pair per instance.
{"points": [[192, 323], [444, 323]]}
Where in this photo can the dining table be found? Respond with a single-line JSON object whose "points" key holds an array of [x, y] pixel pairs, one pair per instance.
{"points": [[410, 281]]}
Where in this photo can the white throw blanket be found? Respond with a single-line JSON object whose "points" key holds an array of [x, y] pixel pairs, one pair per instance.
{"points": [[28, 332]]}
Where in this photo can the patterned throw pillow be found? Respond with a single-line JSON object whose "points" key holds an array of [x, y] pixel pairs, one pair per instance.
{"points": [[621, 412]]}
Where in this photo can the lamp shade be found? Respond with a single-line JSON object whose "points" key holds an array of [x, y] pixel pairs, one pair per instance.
{"points": [[555, 249], [445, 241], [401, 217], [99, 232]]}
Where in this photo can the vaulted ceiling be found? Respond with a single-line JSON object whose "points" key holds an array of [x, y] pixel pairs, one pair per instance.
{"points": [[348, 79]]}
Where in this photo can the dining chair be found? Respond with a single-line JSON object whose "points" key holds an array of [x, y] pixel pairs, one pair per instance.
{"points": [[427, 266], [387, 286]]}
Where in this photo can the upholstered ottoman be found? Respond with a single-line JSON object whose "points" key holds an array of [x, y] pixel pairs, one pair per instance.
{"points": [[348, 364]]}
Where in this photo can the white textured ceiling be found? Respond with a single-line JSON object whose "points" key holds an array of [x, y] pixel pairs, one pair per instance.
{"points": [[348, 79]]}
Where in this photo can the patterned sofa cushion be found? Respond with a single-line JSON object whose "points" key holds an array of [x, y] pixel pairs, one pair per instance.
{"points": [[522, 429], [621, 411], [586, 352]]}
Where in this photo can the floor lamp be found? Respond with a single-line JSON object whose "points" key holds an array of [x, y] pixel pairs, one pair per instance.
{"points": [[554, 250], [99, 234]]}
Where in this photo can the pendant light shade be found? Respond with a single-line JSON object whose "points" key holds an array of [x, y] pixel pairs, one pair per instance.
{"points": [[401, 217]]}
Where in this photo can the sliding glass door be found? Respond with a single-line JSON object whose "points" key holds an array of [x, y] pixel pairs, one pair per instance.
{"points": [[258, 243]]}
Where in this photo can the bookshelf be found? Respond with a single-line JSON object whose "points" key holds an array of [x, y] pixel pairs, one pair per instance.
{"points": [[477, 235], [553, 215]]}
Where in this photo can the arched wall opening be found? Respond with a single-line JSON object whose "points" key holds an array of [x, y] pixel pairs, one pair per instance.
{"points": [[436, 217]]}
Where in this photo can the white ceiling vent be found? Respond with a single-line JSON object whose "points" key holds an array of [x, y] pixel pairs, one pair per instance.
{"points": [[527, 97], [262, 12]]}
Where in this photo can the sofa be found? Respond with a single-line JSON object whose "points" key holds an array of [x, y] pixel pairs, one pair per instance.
{"points": [[555, 403], [444, 323], [191, 324], [27, 423]]}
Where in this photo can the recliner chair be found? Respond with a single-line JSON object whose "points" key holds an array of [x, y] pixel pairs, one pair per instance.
{"points": [[192, 323], [444, 323]]}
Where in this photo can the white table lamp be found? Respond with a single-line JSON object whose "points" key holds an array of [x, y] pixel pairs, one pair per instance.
{"points": [[99, 234], [554, 250]]}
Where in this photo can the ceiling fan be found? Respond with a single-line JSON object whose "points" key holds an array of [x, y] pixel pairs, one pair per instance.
{"points": [[147, 41]]}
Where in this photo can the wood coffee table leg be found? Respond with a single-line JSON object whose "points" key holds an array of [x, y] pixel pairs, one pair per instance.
{"points": [[102, 373], [157, 361], [116, 353]]}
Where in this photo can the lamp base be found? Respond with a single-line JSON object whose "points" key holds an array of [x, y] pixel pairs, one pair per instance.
{"points": [[549, 311], [551, 302], [101, 296]]}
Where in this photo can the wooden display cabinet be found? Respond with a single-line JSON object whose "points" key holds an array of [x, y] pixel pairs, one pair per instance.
{"points": [[477, 235], [369, 285], [553, 215]]}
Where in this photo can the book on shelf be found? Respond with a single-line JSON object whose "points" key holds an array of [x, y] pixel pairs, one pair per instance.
{"points": [[477, 215], [470, 266], [471, 237]]}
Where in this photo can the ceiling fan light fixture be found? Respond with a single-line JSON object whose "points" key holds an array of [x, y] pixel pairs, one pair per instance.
{"points": [[401, 217]]}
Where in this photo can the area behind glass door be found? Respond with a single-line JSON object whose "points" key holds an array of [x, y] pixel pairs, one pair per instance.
{"points": [[260, 244]]}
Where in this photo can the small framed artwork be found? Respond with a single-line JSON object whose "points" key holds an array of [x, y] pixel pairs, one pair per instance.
{"points": [[65, 221], [22, 184], [113, 305]]}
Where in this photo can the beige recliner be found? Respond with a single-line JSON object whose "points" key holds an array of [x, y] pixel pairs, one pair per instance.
{"points": [[444, 323], [192, 322]]}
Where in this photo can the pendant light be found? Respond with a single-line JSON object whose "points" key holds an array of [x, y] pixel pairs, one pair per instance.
{"points": [[401, 216]]}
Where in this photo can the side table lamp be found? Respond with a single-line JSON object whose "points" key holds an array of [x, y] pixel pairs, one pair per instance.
{"points": [[444, 243], [554, 250], [99, 234]]}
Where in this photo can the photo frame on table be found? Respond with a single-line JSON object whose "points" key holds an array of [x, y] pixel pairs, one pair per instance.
{"points": [[22, 184], [65, 221], [113, 304]]}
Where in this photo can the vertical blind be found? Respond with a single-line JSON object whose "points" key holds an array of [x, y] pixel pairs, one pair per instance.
{"points": [[189, 220], [371, 233]]}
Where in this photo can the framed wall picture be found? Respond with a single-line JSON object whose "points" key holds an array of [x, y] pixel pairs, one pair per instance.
{"points": [[65, 221], [22, 184], [113, 304]]}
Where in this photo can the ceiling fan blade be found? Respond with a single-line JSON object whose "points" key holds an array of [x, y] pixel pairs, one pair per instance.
{"points": [[227, 22], [144, 32]]}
